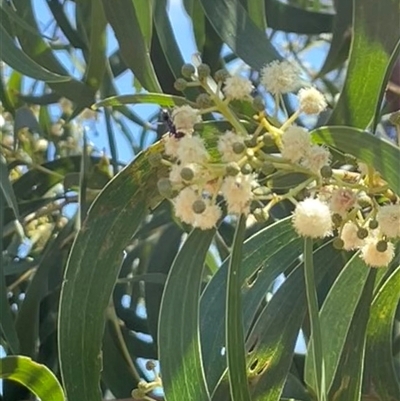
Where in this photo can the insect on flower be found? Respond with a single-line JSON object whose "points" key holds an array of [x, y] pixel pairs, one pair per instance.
{"points": [[165, 116]]}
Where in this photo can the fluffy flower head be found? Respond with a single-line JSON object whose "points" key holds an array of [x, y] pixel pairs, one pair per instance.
{"points": [[280, 77], [225, 146], [237, 193], [209, 218], [171, 145], [312, 101], [375, 258], [183, 205], [388, 218], [237, 87], [350, 238], [316, 158], [312, 218], [191, 149], [184, 118], [295, 143], [343, 199]]}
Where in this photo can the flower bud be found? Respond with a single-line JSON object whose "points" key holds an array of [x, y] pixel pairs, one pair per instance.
{"points": [[164, 187], [180, 84], [326, 172], [262, 191], [362, 233], [188, 70], [261, 215], [232, 169], [221, 75], [204, 100], [381, 246], [203, 71], [337, 219], [267, 168], [246, 169], [238, 147], [373, 224], [187, 174], [199, 206], [251, 142]]}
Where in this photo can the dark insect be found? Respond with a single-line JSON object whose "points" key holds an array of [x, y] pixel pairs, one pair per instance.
{"points": [[170, 125]]}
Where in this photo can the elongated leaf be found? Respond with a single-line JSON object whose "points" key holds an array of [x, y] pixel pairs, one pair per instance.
{"points": [[6, 188], [73, 37], [237, 30], [167, 39], [17, 59], [144, 8], [7, 327], [196, 13], [28, 317], [151, 98], [380, 376], [178, 329], [256, 10], [37, 49], [36, 377], [265, 255], [235, 356], [341, 31], [168, 246], [382, 155], [96, 62], [13, 16], [290, 18], [336, 318], [122, 16], [272, 340], [116, 370], [112, 220], [352, 356], [370, 56]]}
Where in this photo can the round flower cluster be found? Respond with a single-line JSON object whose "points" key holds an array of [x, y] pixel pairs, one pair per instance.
{"points": [[233, 172], [316, 218]]}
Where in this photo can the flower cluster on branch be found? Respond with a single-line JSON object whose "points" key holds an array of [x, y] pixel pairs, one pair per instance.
{"points": [[231, 174]]}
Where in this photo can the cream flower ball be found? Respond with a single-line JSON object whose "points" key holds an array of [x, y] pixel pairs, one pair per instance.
{"points": [[312, 218]]}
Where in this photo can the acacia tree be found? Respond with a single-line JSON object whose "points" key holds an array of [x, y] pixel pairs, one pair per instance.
{"points": [[266, 210]]}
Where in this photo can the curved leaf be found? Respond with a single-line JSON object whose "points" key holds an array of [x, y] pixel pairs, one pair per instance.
{"points": [[37, 49], [36, 377], [123, 18], [380, 376], [96, 59], [235, 355], [178, 327], [151, 98], [336, 318], [380, 154], [351, 361], [7, 327], [112, 220], [272, 340], [18, 60], [237, 30], [6, 188], [370, 56], [289, 18], [265, 255], [341, 37]]}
